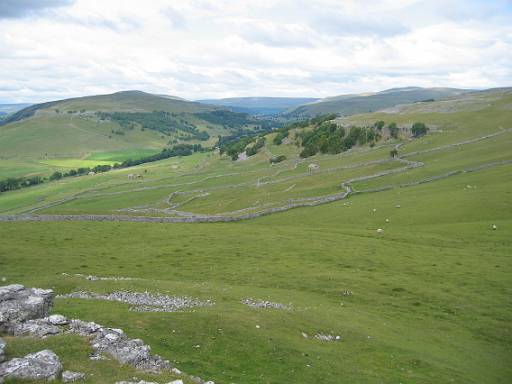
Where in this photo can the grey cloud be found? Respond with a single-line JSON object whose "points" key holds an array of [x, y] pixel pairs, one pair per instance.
{"points": [[21, 8]]}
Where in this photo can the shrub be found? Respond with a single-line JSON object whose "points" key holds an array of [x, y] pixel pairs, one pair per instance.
{"points": [[419, 129]]}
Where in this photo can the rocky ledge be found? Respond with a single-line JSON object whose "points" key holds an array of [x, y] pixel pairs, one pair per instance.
{"points": [[24, 311]]}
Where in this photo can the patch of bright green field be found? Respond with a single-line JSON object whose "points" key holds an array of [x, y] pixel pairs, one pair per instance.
{"points": [[123, 155]]}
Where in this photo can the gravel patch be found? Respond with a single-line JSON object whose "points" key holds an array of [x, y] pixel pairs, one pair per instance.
{"points": [[143, 301], [263, 304]]}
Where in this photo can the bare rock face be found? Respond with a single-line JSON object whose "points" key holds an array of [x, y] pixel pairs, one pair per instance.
{"points": [[42, 365], [70, 377], [2, 350], [19, 304]]}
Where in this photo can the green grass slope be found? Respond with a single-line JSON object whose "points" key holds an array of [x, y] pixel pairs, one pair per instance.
{"points": [[352, 104], [425, 300]]}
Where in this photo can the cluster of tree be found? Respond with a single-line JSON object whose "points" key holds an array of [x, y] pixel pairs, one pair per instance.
{"points": [[252, 150], [13, 183], [57, 175], [328, 137], [284, 132], [419, 129], [277, 159], [234, 147], [160, 121]]}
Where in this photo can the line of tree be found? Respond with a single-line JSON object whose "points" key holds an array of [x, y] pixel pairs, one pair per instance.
{"points": [[12, 183]]}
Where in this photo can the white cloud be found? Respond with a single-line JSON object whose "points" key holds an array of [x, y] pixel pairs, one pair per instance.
{"points": [[208, 48]]}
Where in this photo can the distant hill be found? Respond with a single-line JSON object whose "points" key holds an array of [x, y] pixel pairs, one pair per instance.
{"points": [[7, 109], [259, 105], [111, 126], [370, 102]]}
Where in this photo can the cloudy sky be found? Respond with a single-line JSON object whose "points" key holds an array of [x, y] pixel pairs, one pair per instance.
{"points": [[54, 49]]}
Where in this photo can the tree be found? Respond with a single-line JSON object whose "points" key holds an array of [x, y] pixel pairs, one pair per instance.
{"points": [[393, 130], [56, 175], [419, 129], [393, 153], [379, 125]]}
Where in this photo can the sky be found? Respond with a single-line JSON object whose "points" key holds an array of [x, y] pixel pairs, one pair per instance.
{"points": [[54, 49]]}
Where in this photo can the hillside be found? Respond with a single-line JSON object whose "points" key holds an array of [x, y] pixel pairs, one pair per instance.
{"points": [[43, 137], [396, 255], [370, 102], [259, 105], [8, 109]]}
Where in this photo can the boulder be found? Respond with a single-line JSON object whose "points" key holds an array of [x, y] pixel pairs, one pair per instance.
{"points": [[70, 377], [19, 304], [83, 328], [57, 320], [42, 365], [37, 328]]}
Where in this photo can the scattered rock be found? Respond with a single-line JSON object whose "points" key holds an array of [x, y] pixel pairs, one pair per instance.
{"points": [[142, 301], [263, 304], [380, 230], [70, 377], [101, 278], [25, 312], [176, 382], [42, 365], [127, 351], [19, 304], [327, 337], [136, 382], [2, 350]]}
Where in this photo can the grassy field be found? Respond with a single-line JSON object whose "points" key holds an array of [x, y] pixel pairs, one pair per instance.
{"points": [[430, 298], [430, 294]]}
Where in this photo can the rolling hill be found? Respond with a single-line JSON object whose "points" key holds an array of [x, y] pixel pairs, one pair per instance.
{"points": [[43, 137], [406, 258], [370, 102], [260, 105]]}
